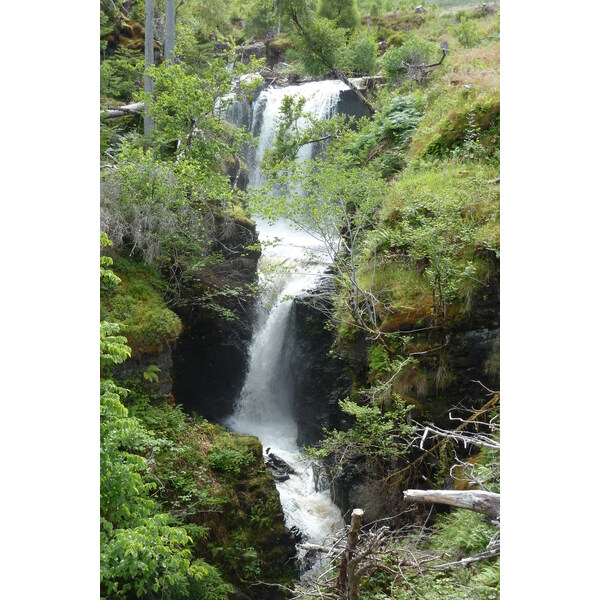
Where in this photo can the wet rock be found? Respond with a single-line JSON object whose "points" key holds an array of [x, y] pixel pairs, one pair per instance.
{"points": [[281, 470], [321, 380]]}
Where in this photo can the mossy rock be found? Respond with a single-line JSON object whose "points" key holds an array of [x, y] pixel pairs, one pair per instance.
{"points": [[281, 43], [138, 305], [396, 39]]}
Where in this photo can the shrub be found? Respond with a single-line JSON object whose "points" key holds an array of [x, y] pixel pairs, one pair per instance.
{"points": [[229, 460], [396, 39], [343, 12], [414, 51], [360, 56], [121, 74], [468, 32]]}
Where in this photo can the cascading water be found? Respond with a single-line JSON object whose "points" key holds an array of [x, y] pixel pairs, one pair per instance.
{"points": [[265, 405]]}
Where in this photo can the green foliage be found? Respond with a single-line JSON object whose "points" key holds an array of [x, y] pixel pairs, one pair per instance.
{"points": [[441, 222], [140, 550], [151, 373], [228, 459], [261, 17], [463, 532], [121, 75], [360, 56], [468, 32], [376, 433], [108, 280], [113, 348], [396, 39], [384, 138], [321, 46], [344, 13], [414, 51], [378, 361]]}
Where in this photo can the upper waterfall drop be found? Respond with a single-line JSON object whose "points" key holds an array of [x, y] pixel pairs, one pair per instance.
{"points": [[321, 97]]}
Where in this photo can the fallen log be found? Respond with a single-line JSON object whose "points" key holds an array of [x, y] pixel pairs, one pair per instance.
{"points": [[129, 109], [487, 503]]}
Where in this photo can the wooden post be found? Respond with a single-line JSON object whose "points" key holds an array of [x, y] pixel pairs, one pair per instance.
{"points": [[347, 582]]}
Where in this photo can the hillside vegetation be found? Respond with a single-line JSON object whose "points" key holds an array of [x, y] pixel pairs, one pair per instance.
{"points": [[188, 510]]}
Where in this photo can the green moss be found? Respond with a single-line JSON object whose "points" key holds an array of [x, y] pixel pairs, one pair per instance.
{"points": [[281, 43], [396, 39], [137, 303], [456, 199]]}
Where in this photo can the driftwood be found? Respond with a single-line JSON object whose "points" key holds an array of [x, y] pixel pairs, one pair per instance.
{"points": [[420, 72], [487, 503], [129, 109]]}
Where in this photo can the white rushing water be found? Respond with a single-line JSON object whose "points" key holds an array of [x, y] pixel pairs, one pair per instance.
{"points": [[265, 405]]}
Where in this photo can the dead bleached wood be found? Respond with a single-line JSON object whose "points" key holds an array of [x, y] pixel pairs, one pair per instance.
{"points": [[347, 582], [487, 503], [491, 551], [129, 109]]}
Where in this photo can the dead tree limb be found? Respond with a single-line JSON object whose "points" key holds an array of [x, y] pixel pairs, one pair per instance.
{"points": [[487, 503], [491, 551], [420, 72], [129, 109]]}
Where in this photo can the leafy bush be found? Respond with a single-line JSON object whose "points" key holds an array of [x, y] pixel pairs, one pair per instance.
{"points": [[415, 51], [468, 32], [396, 39], [344, 13], [330, 41], [229, 460], [360, 56], [384, 138]]}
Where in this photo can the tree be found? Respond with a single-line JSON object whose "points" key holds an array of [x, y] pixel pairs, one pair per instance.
{"points": [[315, 35], [343, 12], [329, 197], [170, 30], [149, 56]]}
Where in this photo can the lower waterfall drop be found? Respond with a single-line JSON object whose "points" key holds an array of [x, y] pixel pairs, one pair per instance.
{"points": [[264, 407]]}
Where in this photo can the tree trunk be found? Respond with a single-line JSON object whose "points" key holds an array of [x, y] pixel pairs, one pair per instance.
{"points": [[149, 55], [347, 582], [487, 503], [170, 31]]}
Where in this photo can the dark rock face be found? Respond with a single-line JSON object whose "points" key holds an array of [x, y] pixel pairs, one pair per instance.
{"points": [[134, 367], [343, 486], [350, 105], [210, 357], [320, 380], [471, 355]]}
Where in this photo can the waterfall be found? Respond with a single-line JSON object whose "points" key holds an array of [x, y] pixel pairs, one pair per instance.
{"points": [[265, 405]]}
